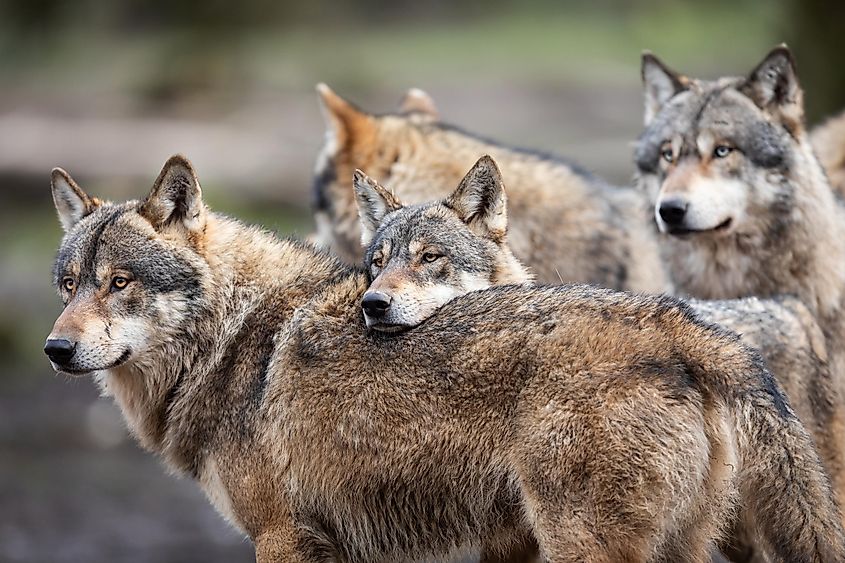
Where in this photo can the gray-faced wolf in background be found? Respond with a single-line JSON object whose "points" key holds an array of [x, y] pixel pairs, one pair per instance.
{"points": [[604, 426], [422, 256], [743, 205], [566, 224]]}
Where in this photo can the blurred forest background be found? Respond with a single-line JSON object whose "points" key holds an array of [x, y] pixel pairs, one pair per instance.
{"points": [[110, 89]]}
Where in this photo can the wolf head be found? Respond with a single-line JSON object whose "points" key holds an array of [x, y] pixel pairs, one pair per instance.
{"points": [[714, 152], [420, 257], [128, 274], [379, 144]]}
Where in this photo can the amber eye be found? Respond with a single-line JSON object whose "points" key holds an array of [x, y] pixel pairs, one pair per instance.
{"points": [[119, 283], [378, 261], [722, 151], [667, 155], [68, 284], [430, 257]]}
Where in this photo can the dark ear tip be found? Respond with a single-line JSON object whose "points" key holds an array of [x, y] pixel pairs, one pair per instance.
{"points": [[360, 178], [179, 161], [782, 51], [648, 58]]}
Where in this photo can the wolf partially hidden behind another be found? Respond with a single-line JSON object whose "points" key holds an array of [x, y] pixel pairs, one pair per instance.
{"points": [[605, 427], [420, 257], [566, 224]]}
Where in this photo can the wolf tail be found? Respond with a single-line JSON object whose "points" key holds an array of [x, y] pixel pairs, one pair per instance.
{"points": [[786, 494]]}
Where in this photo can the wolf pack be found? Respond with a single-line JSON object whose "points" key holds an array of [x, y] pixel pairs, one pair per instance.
{"points": [[486, 352]]}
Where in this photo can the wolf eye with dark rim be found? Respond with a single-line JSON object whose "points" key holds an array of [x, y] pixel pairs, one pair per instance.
{"points": [[722, 151], [118, 283], [68, 284], [378, 261], [430, 257], [667, 155]]}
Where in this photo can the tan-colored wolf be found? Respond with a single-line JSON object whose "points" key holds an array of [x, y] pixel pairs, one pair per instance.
{"points": [[422, 256], [606, 427], [566, 224]]}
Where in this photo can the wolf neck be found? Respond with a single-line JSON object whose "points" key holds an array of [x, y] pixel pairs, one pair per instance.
{"points": [[254, 282], [805, 257]]}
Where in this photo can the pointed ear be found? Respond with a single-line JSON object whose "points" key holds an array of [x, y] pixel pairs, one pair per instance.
{"points": [[71, 202], [773, 86], [418, 101], [344, 121], [660, 84], [176, 197], [374, 202], [480, 200]]}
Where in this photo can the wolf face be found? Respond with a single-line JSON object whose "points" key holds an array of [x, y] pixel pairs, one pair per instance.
{"points": [[712, 152], [127, 274], [421, 257]]}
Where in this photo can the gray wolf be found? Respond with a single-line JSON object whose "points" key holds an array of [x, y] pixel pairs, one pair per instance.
{"points": [[566, 224], [427, 254], [607, 427], [471, 244], [742, 203]]}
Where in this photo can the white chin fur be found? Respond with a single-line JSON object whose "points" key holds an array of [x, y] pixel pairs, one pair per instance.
{"points": [[711, 202]]}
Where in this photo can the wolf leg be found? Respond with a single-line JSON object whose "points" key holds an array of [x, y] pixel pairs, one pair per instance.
{"points": [[280, 546], [524, 552]]}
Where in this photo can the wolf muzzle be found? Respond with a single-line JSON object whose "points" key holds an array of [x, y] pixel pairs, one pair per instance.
{"points": [[673, 211], [59, 350], [375, 304]]}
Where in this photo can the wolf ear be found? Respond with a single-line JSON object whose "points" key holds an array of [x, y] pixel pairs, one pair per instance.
{"points": [[418, 101], [374, 202], [773, 85], [71, 202], [660, 84], [344, 121], [176, 197], [480, 200]]}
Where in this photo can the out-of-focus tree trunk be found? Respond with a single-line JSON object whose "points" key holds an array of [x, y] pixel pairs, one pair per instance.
{"points": [[815, 31]]}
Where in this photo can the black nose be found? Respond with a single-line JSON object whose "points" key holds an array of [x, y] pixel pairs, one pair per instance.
{"points": [[672, 211], [59, 350], [375, 304]]}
